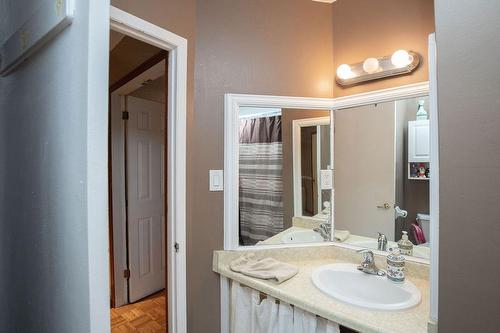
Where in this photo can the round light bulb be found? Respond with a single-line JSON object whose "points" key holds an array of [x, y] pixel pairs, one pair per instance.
{"points": [[344, 71], [401, 58], [370, 65]]}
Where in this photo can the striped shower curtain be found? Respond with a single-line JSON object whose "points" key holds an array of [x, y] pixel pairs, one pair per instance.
{"points": [[261, 182]]}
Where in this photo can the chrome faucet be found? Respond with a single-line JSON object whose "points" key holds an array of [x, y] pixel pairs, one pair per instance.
{"points": [[325, 230], [382, 242], [368, 264]]}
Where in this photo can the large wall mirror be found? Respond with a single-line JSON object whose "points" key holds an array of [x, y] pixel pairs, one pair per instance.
{"points": [[296, 167]]}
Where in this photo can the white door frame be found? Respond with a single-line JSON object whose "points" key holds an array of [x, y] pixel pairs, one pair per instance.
{"points": [[142, 30], [297, 160], [434, 182]]}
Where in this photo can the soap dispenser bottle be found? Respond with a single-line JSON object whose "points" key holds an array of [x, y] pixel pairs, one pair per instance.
{"points": [[405, 245], [421, 113], [396, 266]]}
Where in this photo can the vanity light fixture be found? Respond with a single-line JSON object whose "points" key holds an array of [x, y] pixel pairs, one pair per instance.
{"points": [[344, 72], [371, 65], [401, 58], [400, 62]]}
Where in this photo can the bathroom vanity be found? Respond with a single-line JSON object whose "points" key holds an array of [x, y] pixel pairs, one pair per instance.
{"points": [[310, 182], [300, 290]]}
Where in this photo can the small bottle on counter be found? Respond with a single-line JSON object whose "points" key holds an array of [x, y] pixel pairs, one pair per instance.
{"points": [[421, 113], [396, 266], [405, 245]]}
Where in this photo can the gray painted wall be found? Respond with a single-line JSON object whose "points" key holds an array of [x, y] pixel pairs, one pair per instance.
{"points": [[468, 49], [47, 282]]}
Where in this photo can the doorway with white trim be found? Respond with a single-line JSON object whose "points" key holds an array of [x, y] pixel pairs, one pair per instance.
{"points": [[147, 134], [137, 160]]}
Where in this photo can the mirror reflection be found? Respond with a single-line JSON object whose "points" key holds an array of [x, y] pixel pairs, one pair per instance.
{"points": [[380, 154], [311, 155], [283, 155], [382, 176]]}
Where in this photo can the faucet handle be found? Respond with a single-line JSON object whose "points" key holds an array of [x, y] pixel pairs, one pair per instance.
{"points": [[368, 265], [326, 226], [367, 255]]}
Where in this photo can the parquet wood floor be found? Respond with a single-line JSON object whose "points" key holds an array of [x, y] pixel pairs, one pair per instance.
{"points": [[147, 315]]}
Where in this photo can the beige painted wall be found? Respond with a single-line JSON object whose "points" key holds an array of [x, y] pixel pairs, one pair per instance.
{"points": [[287, 118], [469, 125], [279, 47], [363, 29]]}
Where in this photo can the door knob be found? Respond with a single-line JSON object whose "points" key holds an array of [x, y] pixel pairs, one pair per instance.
{"points": [[386, 205]]}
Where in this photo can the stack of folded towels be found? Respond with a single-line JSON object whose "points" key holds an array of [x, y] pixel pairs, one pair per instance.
{"points": [[267, 268]]}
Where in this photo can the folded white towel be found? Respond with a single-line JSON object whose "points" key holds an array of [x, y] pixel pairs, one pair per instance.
{"points": [[267, 268], [341, 235]]}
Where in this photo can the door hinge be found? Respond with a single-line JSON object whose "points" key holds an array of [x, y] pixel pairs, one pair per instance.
{"points": [[126, 273], [176, 247], [125, 115]]}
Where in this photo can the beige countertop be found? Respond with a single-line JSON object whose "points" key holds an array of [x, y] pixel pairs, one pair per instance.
{"points": [[420, 251], [300, 291]]}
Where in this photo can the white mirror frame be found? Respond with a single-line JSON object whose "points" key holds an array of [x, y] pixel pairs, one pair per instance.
{"points": [[232, 105], [297, 160]]}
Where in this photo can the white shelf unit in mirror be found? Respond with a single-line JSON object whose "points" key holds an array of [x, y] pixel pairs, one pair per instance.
{"points": [[418, 149]]}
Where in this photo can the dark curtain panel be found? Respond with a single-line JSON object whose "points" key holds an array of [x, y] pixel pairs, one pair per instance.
{"points": [[261, 179]]}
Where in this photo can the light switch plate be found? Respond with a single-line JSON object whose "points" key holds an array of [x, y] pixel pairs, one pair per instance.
{"points": [[216, 180], [326, 179]]}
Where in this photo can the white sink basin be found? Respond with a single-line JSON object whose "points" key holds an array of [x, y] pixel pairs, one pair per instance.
{"points": [[345, 283], [418, 250], [301, 236]]}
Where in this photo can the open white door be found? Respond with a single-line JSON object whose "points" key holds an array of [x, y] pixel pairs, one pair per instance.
{"points": [[365, 169], [145, 194]]}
